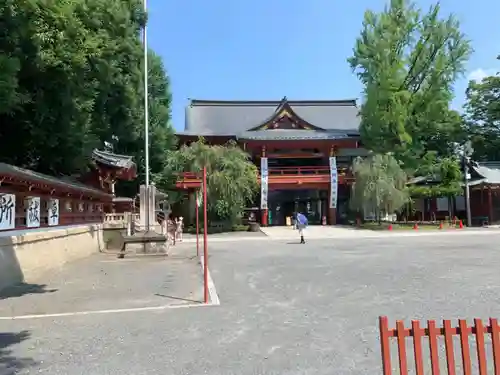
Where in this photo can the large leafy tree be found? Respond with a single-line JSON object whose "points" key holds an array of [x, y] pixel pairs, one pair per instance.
{"points": [[408, 60], [161, 134], [379, 185], [71, 78], [483, 117], [231, 175]]}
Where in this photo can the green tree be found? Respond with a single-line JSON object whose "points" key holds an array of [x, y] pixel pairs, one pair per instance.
{"points": [[445, 178], [231, 176], [379, 185], [408, 60], [71, 77], [161, 133], [483, 117]]}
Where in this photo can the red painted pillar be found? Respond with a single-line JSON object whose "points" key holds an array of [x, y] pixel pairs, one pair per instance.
{"points": [[332, 216], [264, 215], [490, 207]]}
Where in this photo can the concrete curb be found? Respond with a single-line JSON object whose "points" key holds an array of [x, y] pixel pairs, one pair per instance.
{"points": [[212, 292]]}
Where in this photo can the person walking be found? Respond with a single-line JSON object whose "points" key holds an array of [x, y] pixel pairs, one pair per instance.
{"points": [[180, 228], [171, 228], [301, 225]]}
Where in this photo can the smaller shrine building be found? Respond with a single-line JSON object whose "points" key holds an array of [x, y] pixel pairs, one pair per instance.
{"points": [[32, 200]]}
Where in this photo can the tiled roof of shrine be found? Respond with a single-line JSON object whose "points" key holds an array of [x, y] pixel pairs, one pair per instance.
{"points": [[322, 119], [113, 160]]}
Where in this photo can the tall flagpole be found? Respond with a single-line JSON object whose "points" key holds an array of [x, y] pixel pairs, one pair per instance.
{"points": [[146, 116]]}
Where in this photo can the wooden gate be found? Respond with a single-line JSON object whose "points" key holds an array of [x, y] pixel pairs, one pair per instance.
{"points": [[479, 330]]}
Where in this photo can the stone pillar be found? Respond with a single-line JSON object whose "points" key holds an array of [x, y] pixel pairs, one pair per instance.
{"points": [[142, 207], [129, 222], [152, 207], [147, 198]]}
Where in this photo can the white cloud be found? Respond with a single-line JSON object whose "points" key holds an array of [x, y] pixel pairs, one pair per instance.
{"points": [[479, 74]]}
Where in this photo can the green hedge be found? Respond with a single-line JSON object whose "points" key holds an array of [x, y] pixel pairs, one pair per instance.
{"points": [[219, 229], [406, 226]]}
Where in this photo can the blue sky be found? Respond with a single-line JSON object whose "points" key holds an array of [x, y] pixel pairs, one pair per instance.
{"points": [[267, 49]]}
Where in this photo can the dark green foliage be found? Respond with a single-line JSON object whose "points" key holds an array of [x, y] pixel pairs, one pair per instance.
{"points": [[71, 78], [231, 175], [483, 117]]}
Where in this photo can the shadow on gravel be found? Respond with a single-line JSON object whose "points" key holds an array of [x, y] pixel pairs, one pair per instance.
{"points": [[10, 364], [178, 298], [23, 289]]}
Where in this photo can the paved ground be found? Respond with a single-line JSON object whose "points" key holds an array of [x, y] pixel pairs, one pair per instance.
{"points": [[285, 309], [333, 232], [103, 282]]}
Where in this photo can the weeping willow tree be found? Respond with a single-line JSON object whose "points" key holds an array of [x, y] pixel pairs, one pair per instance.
{"points": [[379, 186], [231, 176]]}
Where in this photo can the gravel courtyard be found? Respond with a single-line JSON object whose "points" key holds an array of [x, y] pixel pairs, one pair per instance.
{"points": [[285, 309]]}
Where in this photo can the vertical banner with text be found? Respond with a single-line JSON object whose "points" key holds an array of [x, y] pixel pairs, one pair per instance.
{"points": [[333, 182], [7, 211], [33, 212], [264, 175]]}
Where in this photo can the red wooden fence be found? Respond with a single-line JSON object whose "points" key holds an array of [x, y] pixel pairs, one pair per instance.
{"points": [[479, 330]]}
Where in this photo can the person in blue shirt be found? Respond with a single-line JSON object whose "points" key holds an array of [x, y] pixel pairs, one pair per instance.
{"points": [[301, 225]]}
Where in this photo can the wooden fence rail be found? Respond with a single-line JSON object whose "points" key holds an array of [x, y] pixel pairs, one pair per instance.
{"points": [[432, 332]]}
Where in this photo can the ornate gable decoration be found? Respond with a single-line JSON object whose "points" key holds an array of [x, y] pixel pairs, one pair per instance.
{"points": [[285, 118]]}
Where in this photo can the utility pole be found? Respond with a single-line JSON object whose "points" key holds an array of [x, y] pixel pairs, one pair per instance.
{"points": [[468, 150], [146, 118]]}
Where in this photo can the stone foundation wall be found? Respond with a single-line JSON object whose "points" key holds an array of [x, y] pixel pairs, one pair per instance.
{"points": [[26, 257]]}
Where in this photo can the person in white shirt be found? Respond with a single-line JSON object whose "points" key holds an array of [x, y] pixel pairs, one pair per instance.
{"points": [[179, 227]]}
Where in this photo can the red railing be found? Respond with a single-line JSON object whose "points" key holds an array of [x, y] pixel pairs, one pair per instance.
{"points": [[275, 171], [298, 170], [282, 171], [479, 330], [190, 175], [286, 175]]}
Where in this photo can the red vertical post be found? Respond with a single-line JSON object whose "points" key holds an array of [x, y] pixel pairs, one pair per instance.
{"points": [[448, 345], [433, 346], [205, 235], [385, 345], [401, 336], [464, 343], [263, 219], [418, 333], [480, 347], [490, 207], [197, 227], [495, 344]]}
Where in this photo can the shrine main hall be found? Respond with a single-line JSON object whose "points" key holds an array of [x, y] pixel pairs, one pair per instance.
{"points": [[302, 148]]}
